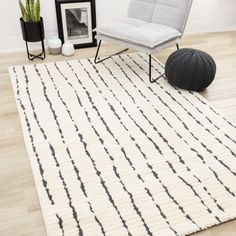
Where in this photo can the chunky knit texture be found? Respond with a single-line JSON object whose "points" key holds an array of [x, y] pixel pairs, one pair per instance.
{"points": [[190, 69]]}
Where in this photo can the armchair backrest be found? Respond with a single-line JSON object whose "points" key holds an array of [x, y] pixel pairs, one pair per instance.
{"points": [[172, 13]]}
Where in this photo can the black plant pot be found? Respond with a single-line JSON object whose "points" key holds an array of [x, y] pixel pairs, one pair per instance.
{"points": [[32, 31]]}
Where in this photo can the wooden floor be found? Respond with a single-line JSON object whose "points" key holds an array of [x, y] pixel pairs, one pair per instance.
{"points": [[20, 212]]}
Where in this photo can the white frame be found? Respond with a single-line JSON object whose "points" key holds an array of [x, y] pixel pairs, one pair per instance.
{"points": [[77, 5]]}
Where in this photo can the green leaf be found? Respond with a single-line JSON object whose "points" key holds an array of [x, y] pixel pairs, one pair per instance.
{"points": [[31, 7], [30, 10], [27, 7], [23, 10], [37, 10]]}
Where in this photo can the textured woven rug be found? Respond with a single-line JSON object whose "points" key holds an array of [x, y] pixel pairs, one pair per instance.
{"points": [[113, 154]]}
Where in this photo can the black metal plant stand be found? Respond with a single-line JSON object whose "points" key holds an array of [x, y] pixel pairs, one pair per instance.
{"points": [[41, 55], [33, 32]]}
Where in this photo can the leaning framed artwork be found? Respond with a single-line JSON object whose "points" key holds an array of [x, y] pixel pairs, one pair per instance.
{"points": [[76, 20]]}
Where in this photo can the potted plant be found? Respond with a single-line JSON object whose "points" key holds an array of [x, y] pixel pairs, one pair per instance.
{"points": [[32, 25]]}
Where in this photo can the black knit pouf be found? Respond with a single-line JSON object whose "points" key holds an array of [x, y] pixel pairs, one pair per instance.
{"points": [[190, 69]]}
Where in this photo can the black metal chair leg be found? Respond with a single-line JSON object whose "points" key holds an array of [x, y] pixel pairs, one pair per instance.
{"points": [[96, 59], [150, 69], [98, 48], [150, 72]]}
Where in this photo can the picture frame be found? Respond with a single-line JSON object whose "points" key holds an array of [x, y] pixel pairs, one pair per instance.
{"points": [[76, 20]]}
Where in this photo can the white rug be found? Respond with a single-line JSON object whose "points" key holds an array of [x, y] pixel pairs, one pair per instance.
{"points": [[113, 154]]}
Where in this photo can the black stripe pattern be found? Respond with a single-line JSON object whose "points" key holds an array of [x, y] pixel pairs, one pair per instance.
{"points": [[112, 154]]}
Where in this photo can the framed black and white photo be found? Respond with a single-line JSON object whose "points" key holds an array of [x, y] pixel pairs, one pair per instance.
{"points": [[76, 20]]}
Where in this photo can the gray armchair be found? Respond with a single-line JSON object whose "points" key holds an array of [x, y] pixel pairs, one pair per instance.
{"points": [[151, 25]]}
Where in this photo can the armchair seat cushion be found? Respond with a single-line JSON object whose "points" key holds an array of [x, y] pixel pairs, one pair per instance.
{"points": [[138, 32]]}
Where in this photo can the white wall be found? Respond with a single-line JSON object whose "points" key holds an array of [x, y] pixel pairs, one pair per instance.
{"points": [[206, 16], [212, 16]]}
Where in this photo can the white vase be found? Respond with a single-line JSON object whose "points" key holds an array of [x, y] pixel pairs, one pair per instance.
{"points": [[54, 45], [68, 49]]}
